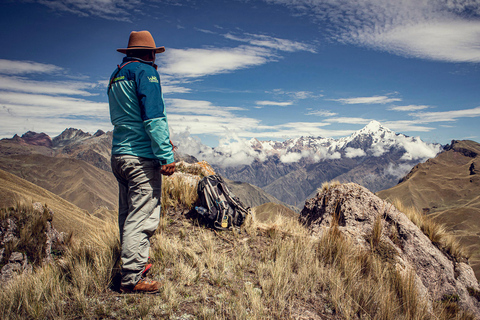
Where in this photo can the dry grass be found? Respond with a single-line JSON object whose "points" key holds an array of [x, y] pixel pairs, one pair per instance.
{"points": [[179, 191], [63, 288], [434, 231], [327, 185], [262, 271]]}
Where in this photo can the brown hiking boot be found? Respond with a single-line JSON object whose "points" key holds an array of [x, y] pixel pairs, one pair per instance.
{"points": [[143, 286]]}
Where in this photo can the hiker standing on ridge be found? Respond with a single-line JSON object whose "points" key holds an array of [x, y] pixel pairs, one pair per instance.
{"points": [[141, 153]]}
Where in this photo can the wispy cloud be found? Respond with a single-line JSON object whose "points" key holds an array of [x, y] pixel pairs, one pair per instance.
{"points": [[193, 63], [321, 113], [446, 116], [408, 108], [445, 30], [272, 42], [398, 125], [349, 120], [16, 67], [20, 84], [367, 100], [203, 117], [108, 9], [274, 103], [297, 95], [48, 106]]}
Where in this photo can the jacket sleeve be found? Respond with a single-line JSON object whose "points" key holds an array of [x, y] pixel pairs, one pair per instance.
{"points": [[152, 109]]}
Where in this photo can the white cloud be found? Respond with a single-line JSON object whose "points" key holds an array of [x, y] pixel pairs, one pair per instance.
{"points": [[408, 108], [20, 84], [193, 63], [354, 153], [15, 67], [107, 9], [443, 116], [368, 100], [297, 95], [272, 42], [445, 30], [349, 120], [377, 149], [290, 157], [407, 126], [417, 149], [321, 113], [273, 103], [231, 151], [397, 170]]}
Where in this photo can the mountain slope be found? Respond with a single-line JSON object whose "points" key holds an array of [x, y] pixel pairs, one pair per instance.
{"points": [[250, 195], [74, 180], [447, 187], [68, 217]]}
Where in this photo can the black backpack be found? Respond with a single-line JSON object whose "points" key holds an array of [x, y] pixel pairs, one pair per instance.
{"points": [[218, 206]]}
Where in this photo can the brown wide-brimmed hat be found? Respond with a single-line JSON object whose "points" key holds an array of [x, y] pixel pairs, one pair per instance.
{"points": [[139, 40]]}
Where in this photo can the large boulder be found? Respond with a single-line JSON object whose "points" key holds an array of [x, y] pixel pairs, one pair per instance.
{"points": [[357, 211]]}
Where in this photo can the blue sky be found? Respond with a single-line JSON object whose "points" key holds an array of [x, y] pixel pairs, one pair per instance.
{"points": [[234, 70]]}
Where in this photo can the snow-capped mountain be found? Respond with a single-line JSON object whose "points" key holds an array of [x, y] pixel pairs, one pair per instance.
{"points": [[375, 157], [373, 140]]}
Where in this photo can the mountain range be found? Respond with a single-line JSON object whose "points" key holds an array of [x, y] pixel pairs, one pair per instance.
{"points": [[289, 172], [292, 170], [76, 166]]}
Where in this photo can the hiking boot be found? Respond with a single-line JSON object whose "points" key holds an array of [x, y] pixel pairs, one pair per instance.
{"points": [[143, 286]]}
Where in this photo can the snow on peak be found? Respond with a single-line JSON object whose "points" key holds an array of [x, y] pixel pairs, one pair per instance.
{"points": [[373, 127]]}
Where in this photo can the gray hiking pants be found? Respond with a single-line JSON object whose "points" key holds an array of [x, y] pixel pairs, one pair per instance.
{"points": [[140, 190]]}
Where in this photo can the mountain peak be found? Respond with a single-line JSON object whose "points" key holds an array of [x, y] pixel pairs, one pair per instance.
{"points": [[374, 126]]}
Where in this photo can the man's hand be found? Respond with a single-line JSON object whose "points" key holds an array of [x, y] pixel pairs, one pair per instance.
{"points": [[168, 169]]}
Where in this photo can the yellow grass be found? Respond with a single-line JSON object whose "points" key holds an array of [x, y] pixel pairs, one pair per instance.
{"points": [[434, 231], [262, 271]]}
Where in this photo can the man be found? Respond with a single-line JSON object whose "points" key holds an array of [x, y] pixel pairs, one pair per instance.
{"points": [[141, 153]]}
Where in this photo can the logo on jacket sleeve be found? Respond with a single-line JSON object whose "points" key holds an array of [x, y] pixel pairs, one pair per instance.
{"points": [[153, 79]]}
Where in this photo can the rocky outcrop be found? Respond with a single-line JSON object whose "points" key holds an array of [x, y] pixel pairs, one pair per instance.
{"points": [[13, 262], [69, 136], [34, 139], [357, 211]]}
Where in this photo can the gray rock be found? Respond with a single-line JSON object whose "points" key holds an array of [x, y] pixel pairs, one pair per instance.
{"points": [[356, 209], [17, 264], [8, 233]]}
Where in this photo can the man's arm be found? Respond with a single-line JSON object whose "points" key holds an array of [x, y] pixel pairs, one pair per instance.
{"points": [[154, 118]]}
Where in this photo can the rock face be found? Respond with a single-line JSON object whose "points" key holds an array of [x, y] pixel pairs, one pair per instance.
{"points": [[357, 209], [18, 262]]}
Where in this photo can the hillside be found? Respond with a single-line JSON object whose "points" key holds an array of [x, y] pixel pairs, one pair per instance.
{"points": [[252, 196], [447, 188], [76, 181], [68, 217], [275, 270], [269, 212]]}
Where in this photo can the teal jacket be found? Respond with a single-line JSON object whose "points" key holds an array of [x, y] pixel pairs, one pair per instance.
{"points": [[137, 112]]}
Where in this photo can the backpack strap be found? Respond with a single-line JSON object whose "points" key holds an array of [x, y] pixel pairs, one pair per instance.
{"points": [[116, 73]]}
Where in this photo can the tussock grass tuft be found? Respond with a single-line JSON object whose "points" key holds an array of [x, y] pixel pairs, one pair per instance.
{"points": [[178, 192], [434, 231], [327, 185]]}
